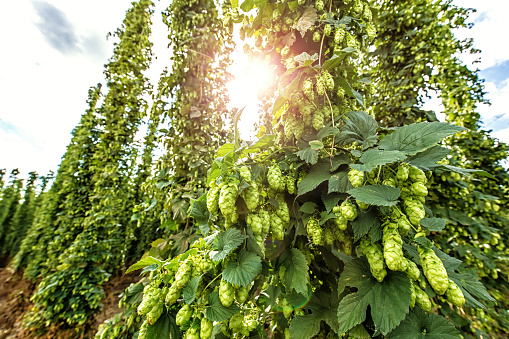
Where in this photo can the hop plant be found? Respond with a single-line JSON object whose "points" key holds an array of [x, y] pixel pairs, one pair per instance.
{"points": [[328, 79], [348, 210], [183, 315], [319, 5], [421, 298], [339, 36], [393, 248], [213, 199], [192, 333], [275, 178], [283, 212], [251, 196], [403, 172], [356, 177], [317, 36], [412, 271], [226, 293], [366, 13], [455, 295], [307, 88], [254, 223], [241, 294], [265, 220], [404, 224], [206, 327], [415, 211], [340, 220], [416, 175], [318, 119], [287, 308], [227, 200], [320, 86], [245, 173], [419, 189], [314, 231], [362, 205], [327, 30], [290, 184], [373, 253], [434, 270], [277, 227]]}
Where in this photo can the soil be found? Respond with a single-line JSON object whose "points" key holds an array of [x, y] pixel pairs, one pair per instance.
{"points": [[15, 303]]}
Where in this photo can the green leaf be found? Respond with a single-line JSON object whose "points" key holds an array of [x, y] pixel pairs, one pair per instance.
{"points": [[235, 3], [317, 174], [339, 182], [363, 223], [263, 143], [379, 195], [472, 289], [247, 5], [224, 150], [200, 211], [327, 131], [350, 91], [420, 325], [244, 270], [337, 57], [330, 200], [297, 271], [415, 138], [389, 300], [433, 224], [189, 292], [359, 332], [163, 327], [340, 159], [425, 242], [144, 262], [309, 155], [216, 311], [465, 171], [316, 145], [360, 127], [304, 326], [308, 207], [427, 160], [225, 242], [375, 157]]}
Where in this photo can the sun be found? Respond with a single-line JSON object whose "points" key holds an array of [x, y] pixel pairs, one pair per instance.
{"points": [[250, 78]]}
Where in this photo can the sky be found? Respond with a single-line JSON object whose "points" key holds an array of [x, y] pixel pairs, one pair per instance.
{"points": [[54, 50]]}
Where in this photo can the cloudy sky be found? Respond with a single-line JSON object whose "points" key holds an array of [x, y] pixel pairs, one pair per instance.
{"points": [[54, 50]]}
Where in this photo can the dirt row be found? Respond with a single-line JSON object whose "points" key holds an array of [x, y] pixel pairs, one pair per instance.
{"points": [[15, 303]]}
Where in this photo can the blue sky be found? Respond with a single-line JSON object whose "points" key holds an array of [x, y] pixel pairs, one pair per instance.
{"points": [[54, 50]]}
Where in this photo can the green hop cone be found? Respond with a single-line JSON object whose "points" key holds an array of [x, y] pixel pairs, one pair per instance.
{"points": [[356, 177], [317, 36], [404, 224], [251, 196], [241, 294], [226, 293], [328, 237], [340, 220], [265, 220], [192, 333], [206, 328], [362, 205], [393, 248], [314, 231], [227, 200], [287, 308], [320, 86], [275, 178], [142, 334], [403, 172], [172, 296], [389, 182], [348, 210], [245, 173], [327, 30], [329, 80], [412, 271], [236, 322], [375, 257], [290, 184], [213, 199], [339, 36], [455, 295], [283, 212], [277, 226], [319, 5], [415, 211], [419, 189], [148, 300], [307, 88], [416, 175], [183, 315], [183, 275], [254, 223], [422, 299], [318, 119], [434, 270], [155, 313]]}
